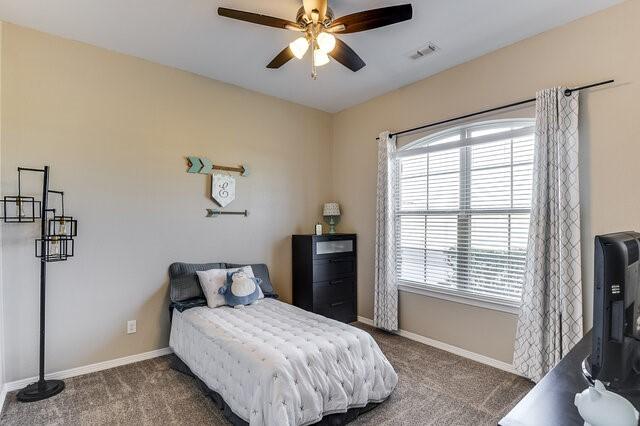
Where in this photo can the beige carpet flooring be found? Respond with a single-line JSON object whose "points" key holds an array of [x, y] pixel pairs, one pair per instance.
{"points": [[434, 388]]}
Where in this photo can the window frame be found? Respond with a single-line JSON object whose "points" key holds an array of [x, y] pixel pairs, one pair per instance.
{"points": [[464, 143]]}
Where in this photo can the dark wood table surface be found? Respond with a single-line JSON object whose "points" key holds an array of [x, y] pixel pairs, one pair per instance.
{"points": [[550, 402]]}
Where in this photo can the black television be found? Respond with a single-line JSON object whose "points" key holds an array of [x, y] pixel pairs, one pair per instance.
{"points": [[615, 354]]}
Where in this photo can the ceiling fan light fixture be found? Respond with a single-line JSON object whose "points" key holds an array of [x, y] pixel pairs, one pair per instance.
{"points": [[320, 58], [315, 21], [299, 47], [326, 42]]}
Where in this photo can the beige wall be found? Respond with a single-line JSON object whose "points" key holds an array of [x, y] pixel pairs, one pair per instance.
{"points": [[115, 131], [591, 49]]}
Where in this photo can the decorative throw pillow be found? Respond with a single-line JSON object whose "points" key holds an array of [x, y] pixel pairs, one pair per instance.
{"points": [[240, 289], [212, 280], [261, 271]]}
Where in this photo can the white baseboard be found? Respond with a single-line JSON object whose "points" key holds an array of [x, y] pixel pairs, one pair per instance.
{"points": [[483, 359], [3, 396], [365, 321], [91, 368]]}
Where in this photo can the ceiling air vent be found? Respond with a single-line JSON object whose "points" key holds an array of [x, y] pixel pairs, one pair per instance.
{"points": [[424, 51]]}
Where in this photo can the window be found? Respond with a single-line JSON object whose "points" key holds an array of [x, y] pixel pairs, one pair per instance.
{"points": [[462, 212]]}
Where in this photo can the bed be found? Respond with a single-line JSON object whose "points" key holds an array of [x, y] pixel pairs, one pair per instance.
{"points": [[274, 364]]}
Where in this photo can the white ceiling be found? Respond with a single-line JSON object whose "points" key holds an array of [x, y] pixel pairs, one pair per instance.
{"points": [[188, 34]]}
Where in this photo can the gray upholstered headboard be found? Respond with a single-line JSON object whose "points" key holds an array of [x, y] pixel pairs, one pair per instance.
{"points": [[184, 281]]}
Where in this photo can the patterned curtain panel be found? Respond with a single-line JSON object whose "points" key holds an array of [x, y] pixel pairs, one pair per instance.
{"points": [[385, 310], [550, 321]]}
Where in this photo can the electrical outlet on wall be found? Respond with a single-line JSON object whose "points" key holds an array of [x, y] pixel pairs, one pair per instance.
{"points": [[131, 326]]}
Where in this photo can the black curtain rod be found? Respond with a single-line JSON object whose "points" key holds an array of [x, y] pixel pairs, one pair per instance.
{"points": [[567, 92]]}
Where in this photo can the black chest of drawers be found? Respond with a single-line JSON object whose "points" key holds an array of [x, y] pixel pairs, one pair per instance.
{"points": [[325, 275]]}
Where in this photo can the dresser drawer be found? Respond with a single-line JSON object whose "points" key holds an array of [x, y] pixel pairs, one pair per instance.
{"points": [[334, 290], [330, 269], [327, 246], [343, 310]]}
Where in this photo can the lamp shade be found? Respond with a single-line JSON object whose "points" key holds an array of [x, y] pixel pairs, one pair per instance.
{"points": [[331, 209]]}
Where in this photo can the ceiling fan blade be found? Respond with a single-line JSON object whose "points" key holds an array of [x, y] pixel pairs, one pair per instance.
{"points": [[347, 56], [255, 18], [320, 5], [375, 18], [282, 58]]}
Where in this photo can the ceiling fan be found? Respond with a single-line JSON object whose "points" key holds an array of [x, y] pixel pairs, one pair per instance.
{"points": [[316, 21]]}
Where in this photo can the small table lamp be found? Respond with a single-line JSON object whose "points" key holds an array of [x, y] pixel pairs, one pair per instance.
{"points": [[331, 213]]}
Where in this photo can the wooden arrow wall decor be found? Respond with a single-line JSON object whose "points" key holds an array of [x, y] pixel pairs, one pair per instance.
{"points": [[204, 166]]}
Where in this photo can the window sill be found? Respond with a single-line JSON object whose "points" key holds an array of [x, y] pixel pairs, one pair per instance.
{"points": [[453, 296]]}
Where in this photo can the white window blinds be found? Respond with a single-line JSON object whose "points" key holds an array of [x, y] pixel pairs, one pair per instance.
{"points": [[462, 212]]}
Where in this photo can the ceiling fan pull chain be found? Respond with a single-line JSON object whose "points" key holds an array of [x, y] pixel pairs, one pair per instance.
{"points": [[314, 72]]}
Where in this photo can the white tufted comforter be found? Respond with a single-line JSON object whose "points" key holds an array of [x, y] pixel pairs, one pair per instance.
{"points": [[275, 364]]}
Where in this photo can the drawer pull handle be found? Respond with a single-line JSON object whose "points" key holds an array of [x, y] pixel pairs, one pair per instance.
{"points": [[333, 305], [338, 260], [336, 282]]}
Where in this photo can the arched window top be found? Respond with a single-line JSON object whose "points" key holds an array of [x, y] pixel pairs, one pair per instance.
{"points": [[470, 134]]}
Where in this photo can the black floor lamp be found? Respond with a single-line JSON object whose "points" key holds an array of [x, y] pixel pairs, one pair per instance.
{"points": [[55, 244]]}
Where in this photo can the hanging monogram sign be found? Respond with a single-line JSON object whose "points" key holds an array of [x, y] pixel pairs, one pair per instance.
{"points": [[223, 189]]}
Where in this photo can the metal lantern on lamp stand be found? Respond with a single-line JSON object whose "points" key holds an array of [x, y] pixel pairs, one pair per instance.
{"points": [[20, 209], [331, 213]]}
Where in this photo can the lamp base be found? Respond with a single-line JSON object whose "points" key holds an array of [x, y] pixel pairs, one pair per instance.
{"points": [[332, 222], [40, 390]]}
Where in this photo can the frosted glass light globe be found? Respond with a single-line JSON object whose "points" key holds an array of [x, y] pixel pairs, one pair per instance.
{"points": [[299, 47], [326, 42], [320, 58]]}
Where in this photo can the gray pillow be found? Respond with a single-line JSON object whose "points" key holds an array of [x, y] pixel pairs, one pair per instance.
{"points": [[184, 281], [261, 271]]}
